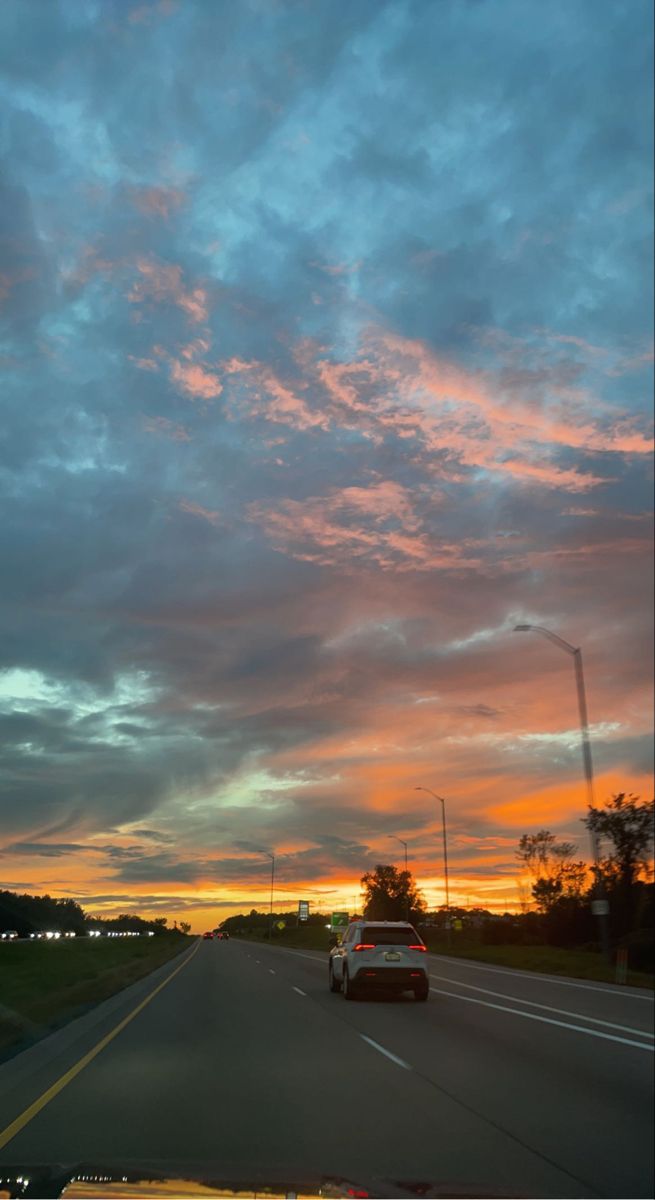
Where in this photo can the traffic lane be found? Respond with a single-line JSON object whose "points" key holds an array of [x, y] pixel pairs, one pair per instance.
{"points": [[604, 1005], [585, 1102], [608, 1002], [231, 1067], [35, 1069]]}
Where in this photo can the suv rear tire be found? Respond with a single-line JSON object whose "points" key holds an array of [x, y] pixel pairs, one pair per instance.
{"points": [[335, 984], [422, 993], [349, 992]]}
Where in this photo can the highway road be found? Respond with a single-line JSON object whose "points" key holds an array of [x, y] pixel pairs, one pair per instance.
{"points": [[504, 1083]]}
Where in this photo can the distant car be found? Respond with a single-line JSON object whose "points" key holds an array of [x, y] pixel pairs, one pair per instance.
{"points": [[209, 935], [223, 935], [379, 955], [9, 935]]}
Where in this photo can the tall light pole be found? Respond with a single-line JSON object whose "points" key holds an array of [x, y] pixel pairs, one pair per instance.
{"points": [[270, 915], [576, 654], [403, 843], [445, 852]]}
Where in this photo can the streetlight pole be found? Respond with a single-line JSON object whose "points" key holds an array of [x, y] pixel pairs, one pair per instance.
{"points": [[270, 915], [403, 843], [445, 854], [576, 654]]}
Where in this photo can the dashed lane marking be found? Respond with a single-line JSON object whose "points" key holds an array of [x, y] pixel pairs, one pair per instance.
{"points": [[400, 1062]]}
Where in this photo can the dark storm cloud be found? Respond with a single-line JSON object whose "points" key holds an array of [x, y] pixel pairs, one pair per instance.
{"points": [[44, 849]]}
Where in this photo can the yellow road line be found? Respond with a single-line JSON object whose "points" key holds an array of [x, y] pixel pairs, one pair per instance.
{"points": [[25, 1117]]}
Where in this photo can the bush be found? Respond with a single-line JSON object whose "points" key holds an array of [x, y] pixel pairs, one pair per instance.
{"points": [[641, 949]]}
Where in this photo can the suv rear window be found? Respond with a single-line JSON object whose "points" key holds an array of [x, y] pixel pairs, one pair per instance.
{"points": [[382, 935]]}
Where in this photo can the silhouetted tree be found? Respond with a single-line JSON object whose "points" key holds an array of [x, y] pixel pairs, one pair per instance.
{"points": [[627, 824], [554, 872], [391, 895]]}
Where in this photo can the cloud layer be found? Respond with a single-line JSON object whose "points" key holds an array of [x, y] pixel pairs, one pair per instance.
{"points": [[327, 355]]}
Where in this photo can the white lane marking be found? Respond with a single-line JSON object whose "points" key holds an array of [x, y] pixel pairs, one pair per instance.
{"points": [[532, 976], [258, 962], [537, 977], [271, 971], [517, 1012], [300, 991], [563, 1012], [299, 954], [387, 1053]]}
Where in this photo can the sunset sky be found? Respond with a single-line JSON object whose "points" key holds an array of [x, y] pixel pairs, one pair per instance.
{"points": [[327, 358]]}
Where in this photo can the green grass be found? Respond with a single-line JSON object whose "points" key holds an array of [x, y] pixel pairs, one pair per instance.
{"points": [[549, 960], [43, 985], [311, 937]]}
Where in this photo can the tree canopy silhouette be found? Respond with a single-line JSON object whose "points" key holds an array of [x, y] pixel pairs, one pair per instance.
{"points": [[391, 895]]}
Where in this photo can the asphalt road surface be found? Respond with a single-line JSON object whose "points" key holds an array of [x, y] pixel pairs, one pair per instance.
{"points": [[504, 1083]]}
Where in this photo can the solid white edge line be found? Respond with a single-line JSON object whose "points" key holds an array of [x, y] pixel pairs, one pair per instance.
{"points": [[537, 976], [517, 1012], [299, 991], [563, 1012], [400, 1062]]}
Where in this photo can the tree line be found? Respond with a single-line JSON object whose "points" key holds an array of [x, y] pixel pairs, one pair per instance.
{"points": [[556, 909], [30, 914]]}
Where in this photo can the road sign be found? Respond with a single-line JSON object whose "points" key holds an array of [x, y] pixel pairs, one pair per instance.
{"points": [[600, 908], [339, 920], [281, 924], [303, 910]]}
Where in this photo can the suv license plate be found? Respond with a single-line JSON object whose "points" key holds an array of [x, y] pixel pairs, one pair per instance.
{"points": [[392, 957]]}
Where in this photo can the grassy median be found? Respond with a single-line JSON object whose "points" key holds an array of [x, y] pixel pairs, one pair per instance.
{"points": [[548, 960], [45, 984]]}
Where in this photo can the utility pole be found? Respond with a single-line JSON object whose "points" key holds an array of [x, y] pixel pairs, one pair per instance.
{"points": [[403, 843], [600, 904], [445, 856], [270, 915]]}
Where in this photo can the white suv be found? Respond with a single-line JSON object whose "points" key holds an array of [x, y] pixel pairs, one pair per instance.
{"points": [[379, 955]]}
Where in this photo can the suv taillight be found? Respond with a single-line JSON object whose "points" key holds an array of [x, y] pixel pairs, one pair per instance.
{"points": [[364, 946], [423, 948]]}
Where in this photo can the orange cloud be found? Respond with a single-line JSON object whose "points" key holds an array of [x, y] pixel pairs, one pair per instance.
{"points": [[262, 393], [197, 510], [377, 524], [163, 282], [193, 379]]}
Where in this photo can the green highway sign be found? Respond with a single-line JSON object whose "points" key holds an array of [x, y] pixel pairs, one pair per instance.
{"points": [[339, 920]]}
